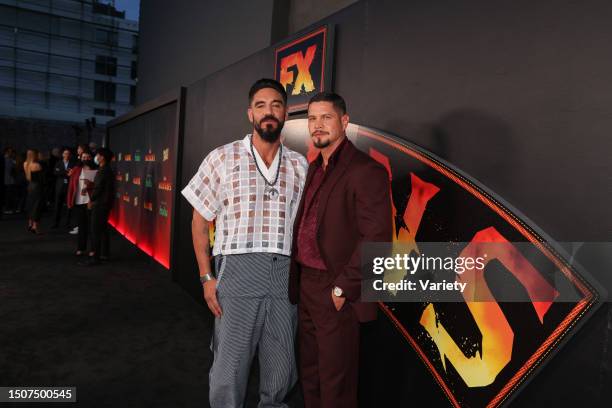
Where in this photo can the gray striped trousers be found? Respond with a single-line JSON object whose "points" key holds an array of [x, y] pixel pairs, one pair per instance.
{"points": [[256, 315]]}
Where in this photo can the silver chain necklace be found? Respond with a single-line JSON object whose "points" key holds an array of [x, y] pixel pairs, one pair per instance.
{"points": [[270, 191]]}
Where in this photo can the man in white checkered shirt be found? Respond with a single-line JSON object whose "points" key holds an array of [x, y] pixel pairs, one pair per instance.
{"points": [[252, 189]]}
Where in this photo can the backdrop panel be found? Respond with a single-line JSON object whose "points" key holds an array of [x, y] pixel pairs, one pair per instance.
{"points": [[145, 145]]}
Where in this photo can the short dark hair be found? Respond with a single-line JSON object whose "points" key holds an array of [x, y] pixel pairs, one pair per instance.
{"points": [[332, 97], [106, 153], [267, 83]]}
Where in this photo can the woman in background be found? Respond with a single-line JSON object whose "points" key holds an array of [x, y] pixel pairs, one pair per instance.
{"points": [[36, 178]]}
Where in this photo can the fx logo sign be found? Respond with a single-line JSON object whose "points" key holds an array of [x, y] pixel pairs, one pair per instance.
{"points": [[303, 82], [303, 67]]}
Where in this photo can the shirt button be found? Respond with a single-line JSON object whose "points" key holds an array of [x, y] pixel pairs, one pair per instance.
{"points": [[274, 259]]}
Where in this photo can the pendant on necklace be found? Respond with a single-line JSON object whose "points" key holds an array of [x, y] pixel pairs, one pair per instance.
{"points": [[271, 192]]}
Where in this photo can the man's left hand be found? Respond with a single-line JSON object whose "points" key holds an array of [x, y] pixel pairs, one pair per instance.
{"points": [[338, 300]]}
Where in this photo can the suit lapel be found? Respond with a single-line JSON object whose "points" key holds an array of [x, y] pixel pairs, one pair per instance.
{"points": [[337, 172], [300, 211]]}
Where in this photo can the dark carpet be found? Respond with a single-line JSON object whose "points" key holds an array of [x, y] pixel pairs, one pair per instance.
{"points": [[123, 333]]}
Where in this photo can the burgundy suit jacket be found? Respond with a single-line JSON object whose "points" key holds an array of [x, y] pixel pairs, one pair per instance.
{"points": [[354, 207]]}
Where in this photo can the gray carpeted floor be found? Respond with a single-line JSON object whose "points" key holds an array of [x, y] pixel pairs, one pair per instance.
{"points": [[123, 333]]}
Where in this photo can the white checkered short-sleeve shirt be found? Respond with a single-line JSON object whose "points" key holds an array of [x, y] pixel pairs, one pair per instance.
{"points": [[228, 188]]}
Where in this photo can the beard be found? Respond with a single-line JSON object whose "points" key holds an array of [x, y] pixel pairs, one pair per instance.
{"points": [[269, 134], [319, 142]]}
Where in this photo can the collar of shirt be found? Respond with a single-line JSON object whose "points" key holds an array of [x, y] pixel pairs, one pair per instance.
{"points": [[268, 172], [333, 159]]}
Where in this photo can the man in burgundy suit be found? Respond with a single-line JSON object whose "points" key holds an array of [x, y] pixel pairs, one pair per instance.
{"points": [[346, 202]]}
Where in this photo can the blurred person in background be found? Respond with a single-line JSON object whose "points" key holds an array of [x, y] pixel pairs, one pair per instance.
{"points": [[10, 193], [61, 186], [93, 148], [49, 161], [81, 147], [35, 175], [78, 198], [21, 184], [49, 185], [55, 156], [100, 202]]}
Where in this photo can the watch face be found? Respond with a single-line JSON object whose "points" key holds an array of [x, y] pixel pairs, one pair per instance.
{"points": [[337, 291]]}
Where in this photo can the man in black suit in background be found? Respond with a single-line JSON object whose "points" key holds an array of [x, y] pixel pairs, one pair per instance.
{"points": [[101, 200], [60, 171]]}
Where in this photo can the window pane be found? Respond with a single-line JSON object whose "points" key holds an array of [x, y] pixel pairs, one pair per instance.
{"points": [[104, 91]]}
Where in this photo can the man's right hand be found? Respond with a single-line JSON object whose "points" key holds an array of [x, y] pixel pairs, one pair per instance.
{"points": [[210, 296]]}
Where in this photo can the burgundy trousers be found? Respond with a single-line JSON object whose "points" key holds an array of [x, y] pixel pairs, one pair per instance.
{"points": [[328, 345]]}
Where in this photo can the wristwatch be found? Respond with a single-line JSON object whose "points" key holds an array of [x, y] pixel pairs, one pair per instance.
{"points": [[205, 278], [338, 292]]}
